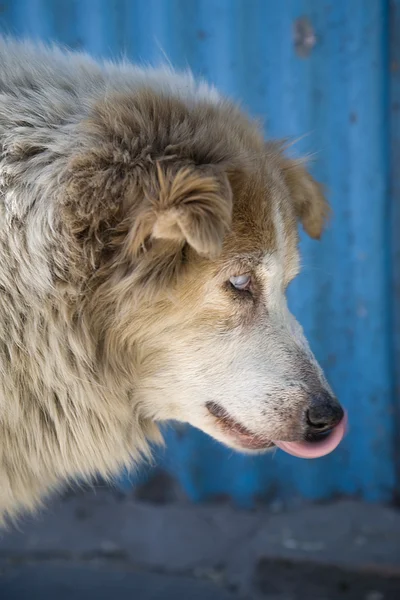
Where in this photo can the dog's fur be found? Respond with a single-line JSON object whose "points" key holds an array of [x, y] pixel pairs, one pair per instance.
{"points": [[129, 198]]}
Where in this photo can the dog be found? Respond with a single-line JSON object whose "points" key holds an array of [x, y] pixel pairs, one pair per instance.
{"points": [[148, 234]]}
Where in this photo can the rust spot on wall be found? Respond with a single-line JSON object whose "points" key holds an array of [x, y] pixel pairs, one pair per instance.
{"points": [[304, 37]]}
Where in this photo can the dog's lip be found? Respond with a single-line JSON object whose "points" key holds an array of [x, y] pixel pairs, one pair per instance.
{"points": [[250, 441], [243, 436]]}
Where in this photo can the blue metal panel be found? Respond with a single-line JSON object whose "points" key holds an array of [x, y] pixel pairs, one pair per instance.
{"points": [[337, 92]]}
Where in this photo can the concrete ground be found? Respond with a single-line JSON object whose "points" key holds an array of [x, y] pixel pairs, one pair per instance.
{"points": [[95, 545]]}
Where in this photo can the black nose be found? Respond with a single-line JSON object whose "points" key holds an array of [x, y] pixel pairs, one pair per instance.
{"points": [[324, 413]]}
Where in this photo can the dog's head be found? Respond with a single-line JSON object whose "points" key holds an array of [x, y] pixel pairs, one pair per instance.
{"points": [[187, 223]]}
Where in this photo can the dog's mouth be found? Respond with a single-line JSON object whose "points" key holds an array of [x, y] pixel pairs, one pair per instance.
{"points": [[314, 446], [243, 436]]}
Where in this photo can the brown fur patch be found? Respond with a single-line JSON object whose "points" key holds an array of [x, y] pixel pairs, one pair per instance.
{"points": [[155, 168]]}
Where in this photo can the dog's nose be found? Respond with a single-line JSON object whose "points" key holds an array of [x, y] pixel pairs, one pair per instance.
{"points": [[324, 413]]}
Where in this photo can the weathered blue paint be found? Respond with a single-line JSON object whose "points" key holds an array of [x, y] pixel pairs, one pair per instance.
{"points": [[339, 95]]}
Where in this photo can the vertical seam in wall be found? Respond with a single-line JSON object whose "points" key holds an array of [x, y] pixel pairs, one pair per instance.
{"points": [[392, 45]]}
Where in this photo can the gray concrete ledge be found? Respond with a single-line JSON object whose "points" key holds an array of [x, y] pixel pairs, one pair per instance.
{"points": [[102, 540]]}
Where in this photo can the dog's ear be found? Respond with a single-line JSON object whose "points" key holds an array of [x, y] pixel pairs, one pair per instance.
{"points": [[310, 205], [186, 205]]}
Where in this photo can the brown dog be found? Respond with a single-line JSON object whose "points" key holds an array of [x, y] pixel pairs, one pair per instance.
{"points": [[148, 234]]}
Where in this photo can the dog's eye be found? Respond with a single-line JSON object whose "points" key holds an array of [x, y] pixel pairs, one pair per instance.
{"points": [[241, 282]]}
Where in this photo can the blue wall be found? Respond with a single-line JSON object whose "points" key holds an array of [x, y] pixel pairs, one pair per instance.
{"points": [[340, 86]]}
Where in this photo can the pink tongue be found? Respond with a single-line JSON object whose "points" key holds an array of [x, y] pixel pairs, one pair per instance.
{"points": [[316, 449]]}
